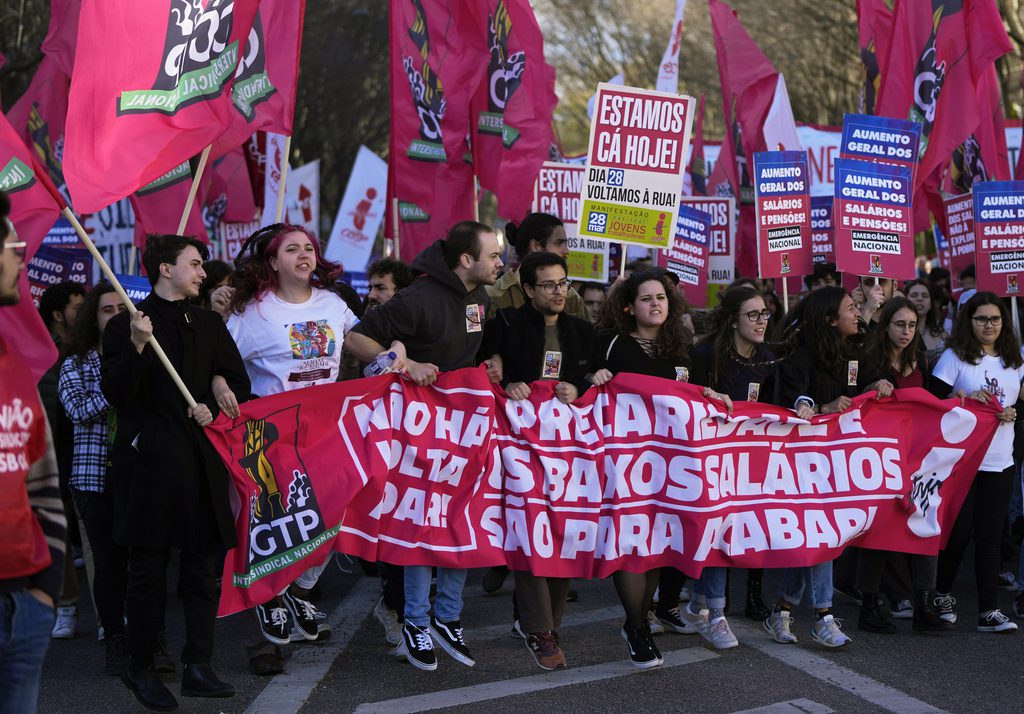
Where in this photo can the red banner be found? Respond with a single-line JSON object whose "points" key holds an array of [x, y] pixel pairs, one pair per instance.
{"points": [[636, 475], [143, 105]]}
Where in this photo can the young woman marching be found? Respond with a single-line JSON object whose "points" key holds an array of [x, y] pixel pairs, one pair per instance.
{"points": [[647, 337], [983, 360], [733, 360], [893, 358], [289, 330], [925, 298], [819, 377]]}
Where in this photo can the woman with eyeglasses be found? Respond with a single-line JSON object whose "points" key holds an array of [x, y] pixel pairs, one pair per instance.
{"points": [[893, 358], [925, 298], [983, 359], [818, 377], [646, 337], [734, 360]]}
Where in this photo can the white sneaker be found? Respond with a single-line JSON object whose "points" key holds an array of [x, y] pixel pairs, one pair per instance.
{"points": [[696, 620], [719, 635], [826, 631], [656, 627], [389, 619], [64, 626], [996, 621], [778, 625]]}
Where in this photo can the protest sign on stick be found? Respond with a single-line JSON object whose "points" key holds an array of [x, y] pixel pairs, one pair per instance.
{"points": [[687, 257], [557, 192], [823, 232], [722, 248], [960, 237], [783, 209], [999, 236], [637, 157]]}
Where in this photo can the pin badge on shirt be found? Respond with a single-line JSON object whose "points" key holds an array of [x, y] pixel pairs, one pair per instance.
{"points": [[753, 391], [474, 318], [552, 365], [682, 374], [852, 367]]}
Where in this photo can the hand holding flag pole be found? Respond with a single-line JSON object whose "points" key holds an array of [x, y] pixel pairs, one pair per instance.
{"points": [[44, 179]]}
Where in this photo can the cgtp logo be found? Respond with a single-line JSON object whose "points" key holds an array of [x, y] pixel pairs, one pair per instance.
{"points": [[195, 36], [929, 75], [504, 72], [427, 92]]}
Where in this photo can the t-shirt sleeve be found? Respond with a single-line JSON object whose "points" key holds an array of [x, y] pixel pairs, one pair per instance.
{"points": [[240, 334], [947, 369]]}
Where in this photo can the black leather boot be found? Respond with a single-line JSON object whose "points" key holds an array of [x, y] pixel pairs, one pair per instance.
{"points": [[925, 617], [199, 680], [148, 689], [872, 617]]}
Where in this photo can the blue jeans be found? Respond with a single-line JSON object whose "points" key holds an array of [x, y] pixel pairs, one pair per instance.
{"points": [[447, 604], [25, 625], [795, 581], [710, 588]]}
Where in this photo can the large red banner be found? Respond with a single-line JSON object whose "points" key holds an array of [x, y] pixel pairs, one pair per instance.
{"points": [[639, 474]]}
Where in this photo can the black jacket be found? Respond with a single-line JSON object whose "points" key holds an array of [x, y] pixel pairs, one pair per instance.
{"points": [[802, 374], [517, 334], [735, 376], [432, 317], [168, 485]]}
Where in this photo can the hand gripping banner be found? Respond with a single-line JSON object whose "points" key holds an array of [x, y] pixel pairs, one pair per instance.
{"points": [[638, 474]]}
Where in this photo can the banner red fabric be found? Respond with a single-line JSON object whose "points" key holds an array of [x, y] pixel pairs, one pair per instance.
{"points": [[695, 182], [938, 59], [158, 207], [33, 213], [264, 89], [40, 114], [62, 34], [438, 58], [874, 24], [230, 195], [638, 474], [153, 99]]}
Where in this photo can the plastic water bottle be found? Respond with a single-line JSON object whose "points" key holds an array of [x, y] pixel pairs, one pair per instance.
{"points": [[380, 365]]}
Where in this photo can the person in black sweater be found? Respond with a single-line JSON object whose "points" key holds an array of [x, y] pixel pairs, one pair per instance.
{"points": [[646, 337]]}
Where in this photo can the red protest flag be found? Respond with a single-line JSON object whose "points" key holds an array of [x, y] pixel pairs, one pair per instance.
{"points": [[939, 56], [983, 155], [158, 207], [153, 99], [62, 34], [695, 179], [874, 23], [229, 195], [39, 117], [263, 93], [33, 212], [438, 58]]}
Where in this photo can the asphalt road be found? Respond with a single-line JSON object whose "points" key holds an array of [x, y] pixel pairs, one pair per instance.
{"points": [[962, 671]]}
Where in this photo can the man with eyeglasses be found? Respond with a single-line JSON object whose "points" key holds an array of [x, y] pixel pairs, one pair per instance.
{"points": [[540, 341], [33, 526]]}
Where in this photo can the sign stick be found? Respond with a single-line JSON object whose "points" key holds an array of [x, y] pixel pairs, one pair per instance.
{"points": [[161, 355], [1016, 317], [622, 265], [131, 258], [194, 189], [785, 296], [284, 177]]}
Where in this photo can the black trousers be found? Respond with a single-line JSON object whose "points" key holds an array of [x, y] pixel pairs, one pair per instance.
{"points": [[147, 587], [392, 583], [110, 561], [982, 517]]}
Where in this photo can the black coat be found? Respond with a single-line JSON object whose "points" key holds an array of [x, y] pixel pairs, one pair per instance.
{"points": [[169, 486], [517, 334]]}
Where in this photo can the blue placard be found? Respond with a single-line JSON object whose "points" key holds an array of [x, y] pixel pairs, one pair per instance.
{"points": [[779, 173], [137, 286], [869, 182], [871, 138]]}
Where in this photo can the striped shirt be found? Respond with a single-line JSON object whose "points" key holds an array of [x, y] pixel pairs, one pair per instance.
{"points": [[79, 390]]}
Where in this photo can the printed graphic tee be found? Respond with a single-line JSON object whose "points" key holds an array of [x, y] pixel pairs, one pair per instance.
{"points": [[288, 346], [1001, 382]]}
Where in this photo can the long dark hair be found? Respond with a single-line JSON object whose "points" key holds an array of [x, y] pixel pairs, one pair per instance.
{"points": [[723, 317], [932, 318], [536, 226], [808, 326], [965, 345], [879, 348], [673, 337], [85, 330], [253, 276]]}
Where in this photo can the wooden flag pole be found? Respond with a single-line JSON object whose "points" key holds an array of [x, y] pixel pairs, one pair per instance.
{"points": [[1016, 317], [157, 349], [131, 258], [194, 189], [394, 223], [284, 179], [785, 296]]}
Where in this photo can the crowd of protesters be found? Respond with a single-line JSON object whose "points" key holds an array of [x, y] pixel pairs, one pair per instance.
{"points": [[110, 448]]}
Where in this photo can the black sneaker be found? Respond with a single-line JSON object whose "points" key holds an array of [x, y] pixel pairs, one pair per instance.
{"points": [[449, 636], [944, 603], [996, 621], [672, 619], [419, 649], [273, 622], [643, 653], [117, 654], [304, 615]]}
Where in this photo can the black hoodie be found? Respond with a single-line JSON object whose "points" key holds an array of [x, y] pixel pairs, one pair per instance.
{"points": [[435, 318]]}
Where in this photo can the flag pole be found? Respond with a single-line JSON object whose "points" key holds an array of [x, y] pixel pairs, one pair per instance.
{"points": [[394, 223], [1016, 317], [131, 258], [194, 189], [785, 295], [157, 349], [284, 179]]}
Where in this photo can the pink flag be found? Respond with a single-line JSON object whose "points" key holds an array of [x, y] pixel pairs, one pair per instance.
{"points": [[62, 34], [158, 207], [229, 196], [40, 114], [152, 99]]}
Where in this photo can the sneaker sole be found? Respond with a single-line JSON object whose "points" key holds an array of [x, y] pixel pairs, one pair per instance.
{"points": [[823, 643], [908, 615], [640, 665], [276, 640], [421, 665], [296, 628], [449, 650], [997, 631], [771, 633], [950, 618]]}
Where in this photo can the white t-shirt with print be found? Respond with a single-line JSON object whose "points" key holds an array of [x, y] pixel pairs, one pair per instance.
{"points": [[998, 380], [288, 346]]}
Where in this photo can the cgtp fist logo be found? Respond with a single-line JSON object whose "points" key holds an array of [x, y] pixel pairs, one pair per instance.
{"points": [[926, 482]]}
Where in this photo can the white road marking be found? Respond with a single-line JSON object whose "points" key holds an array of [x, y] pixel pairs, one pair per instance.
{"points": [[794, 706], [310, 663], [857, 684], [526, 685]]}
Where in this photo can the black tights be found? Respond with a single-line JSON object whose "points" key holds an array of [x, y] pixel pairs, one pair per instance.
{"points": [[636, 590]]}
